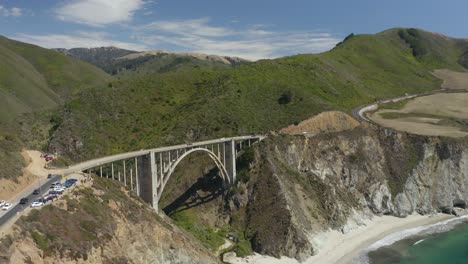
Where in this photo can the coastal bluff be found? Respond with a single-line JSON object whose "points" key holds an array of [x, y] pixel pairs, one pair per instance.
{"points": [[301, 186]]}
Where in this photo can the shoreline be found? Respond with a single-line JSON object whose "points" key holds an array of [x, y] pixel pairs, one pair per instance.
{"points": [[337, 247], [402, 224]]}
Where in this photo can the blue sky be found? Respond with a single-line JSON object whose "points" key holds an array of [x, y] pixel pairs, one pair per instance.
{"points": [[252, 29]]}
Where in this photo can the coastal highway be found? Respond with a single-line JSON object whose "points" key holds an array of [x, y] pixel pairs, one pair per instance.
{"points": [[359, 112], [18, 208]]}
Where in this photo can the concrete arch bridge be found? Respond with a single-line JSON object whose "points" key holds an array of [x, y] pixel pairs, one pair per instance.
{"points": [[148, 171]]}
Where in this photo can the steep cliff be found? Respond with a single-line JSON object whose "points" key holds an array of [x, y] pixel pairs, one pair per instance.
{"points": [[303, 185]]}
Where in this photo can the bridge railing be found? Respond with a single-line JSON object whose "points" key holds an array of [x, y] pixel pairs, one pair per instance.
{"points": [[82, 166]]}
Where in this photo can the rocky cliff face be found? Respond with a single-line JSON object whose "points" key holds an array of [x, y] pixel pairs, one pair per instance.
{"points": [[291, 188], [300, 186]]}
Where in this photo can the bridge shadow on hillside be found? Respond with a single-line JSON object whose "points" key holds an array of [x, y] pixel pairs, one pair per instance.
{"points": [[211, 185]]}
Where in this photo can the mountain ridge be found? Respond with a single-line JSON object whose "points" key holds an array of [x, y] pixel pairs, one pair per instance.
{"points": [[114, 60], [200, 103]]}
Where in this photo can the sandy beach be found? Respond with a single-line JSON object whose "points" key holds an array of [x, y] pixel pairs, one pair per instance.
{"points": [[342, 248]]}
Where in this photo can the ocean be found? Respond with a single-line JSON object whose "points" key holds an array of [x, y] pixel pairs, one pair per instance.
{"points": [[442, 243]]}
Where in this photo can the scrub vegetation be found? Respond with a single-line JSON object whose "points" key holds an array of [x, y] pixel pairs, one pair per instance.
{"points": [[148, 109]]}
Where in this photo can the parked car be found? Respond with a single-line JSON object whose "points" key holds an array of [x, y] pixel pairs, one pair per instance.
{"points": [[54, 184], [59, 188], [36, 192], [37, 203], [48, 157], [49, 197], [2, 203], [69, 183], [7, 206], [55, 192], [49, 176], [24, 200]]}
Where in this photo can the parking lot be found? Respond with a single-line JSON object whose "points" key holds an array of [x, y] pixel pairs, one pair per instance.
{"points": [[47, 192]]}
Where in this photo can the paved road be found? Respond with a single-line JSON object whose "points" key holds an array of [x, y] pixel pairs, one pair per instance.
{"points": [[108, 159], [20, 207], [359, 112]]}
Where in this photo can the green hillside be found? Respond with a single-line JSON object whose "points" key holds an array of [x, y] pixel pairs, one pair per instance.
{"points": [[33, 80], [152, 109], [62, 74]]}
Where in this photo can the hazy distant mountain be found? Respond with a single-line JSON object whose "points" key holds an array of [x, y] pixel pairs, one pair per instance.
{"points": [[114, 60], [101, 57], [215, 58]]}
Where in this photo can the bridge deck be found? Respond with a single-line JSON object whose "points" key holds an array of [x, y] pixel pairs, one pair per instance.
{"points": [[128, 155]]}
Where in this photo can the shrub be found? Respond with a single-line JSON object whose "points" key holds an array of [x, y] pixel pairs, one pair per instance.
{"points": [[285, 98], [40, 240], [243, 248], [412, 38]]}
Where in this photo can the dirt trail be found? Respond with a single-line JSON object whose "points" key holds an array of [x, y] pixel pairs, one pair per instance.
{"points": [[26, 183], [452, 79]]}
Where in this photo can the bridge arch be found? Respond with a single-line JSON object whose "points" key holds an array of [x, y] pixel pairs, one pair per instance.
{"points": [[222, 169], [147, 171]]}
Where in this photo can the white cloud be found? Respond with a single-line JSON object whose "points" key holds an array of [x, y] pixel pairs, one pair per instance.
{"points": [[197, 27], [14, 11], [99, 12], [251, 42], [255, 42], [81, 39]]}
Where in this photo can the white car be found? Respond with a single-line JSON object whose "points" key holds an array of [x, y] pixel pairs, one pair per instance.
{"points": [[37, 204], [55, 184], [2, 203], [59, 189], [7, 206]]}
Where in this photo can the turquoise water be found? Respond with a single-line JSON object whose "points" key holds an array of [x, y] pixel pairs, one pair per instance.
{"points": [[450, 247]]}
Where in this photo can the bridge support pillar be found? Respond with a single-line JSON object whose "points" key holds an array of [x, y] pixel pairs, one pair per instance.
{"points": [[230, 160], [154, 182], [147, 179]]}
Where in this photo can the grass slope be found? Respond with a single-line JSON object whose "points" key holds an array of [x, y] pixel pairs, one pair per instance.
{"points": [[33, 80], [152, 109], [62, 74]]}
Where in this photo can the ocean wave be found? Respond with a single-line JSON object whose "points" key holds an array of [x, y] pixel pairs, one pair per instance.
{"points": [[439, 227]]}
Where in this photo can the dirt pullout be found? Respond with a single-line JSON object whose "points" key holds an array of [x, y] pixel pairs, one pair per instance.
{"points": [[332, 121], [452, 79], [9, 189], [419, 126], [442, 114]]}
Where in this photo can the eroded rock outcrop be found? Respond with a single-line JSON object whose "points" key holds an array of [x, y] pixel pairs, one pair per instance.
{"points": [[301, 186], [100, 223]]}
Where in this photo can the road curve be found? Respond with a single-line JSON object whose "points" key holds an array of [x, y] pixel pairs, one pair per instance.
{"points": [[359, 113]]}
